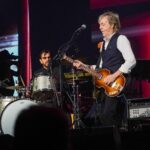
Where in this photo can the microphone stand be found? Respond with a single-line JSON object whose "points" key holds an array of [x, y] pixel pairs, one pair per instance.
{"points": [[52, 81], [77, 122], [60, 83], [62, 50], [65, 47]]}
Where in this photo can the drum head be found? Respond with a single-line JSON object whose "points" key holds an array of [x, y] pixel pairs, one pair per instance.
{"points": [[10, 114], [4, 101]]}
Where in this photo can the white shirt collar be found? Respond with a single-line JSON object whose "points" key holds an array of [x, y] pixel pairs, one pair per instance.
{"points": [[107, 39]]}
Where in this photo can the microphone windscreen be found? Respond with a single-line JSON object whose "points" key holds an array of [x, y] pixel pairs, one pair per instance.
{"points": [[83, 26]]}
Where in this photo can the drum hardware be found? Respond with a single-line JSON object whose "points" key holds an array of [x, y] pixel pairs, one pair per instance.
{"points": [[77, 80], [22, 92], [77, 122], [21, 89], [22, 81], [17, 87], [2, 83]]}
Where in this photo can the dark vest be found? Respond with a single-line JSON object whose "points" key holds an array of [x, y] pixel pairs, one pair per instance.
{"points": [[112, 57]]}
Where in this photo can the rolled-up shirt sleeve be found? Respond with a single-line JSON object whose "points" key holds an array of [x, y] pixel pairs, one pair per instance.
{"points": [[124, 46]]}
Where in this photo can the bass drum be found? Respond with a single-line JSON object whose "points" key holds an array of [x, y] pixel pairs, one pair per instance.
{"points": [[4, 101], [10, 114]]}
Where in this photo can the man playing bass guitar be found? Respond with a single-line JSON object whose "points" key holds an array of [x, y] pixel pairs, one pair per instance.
{"points": [[116, 56]]}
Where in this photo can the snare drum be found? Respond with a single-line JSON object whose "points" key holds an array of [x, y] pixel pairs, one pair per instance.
{"points": [[4, 101], [10, 114], [43, 86]]}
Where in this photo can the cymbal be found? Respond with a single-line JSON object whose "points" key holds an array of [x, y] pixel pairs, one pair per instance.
{"points": [[76, 75], [14, 87]]}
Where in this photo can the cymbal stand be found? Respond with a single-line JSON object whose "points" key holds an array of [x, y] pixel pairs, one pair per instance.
{"points": [[75, 87], [53, 83], [22, 91]]}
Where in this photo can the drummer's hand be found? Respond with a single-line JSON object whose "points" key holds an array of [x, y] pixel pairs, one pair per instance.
{"points": [[28, 93]]}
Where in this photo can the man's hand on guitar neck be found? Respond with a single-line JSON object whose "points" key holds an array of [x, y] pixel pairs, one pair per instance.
{"points": [[78, 64]]}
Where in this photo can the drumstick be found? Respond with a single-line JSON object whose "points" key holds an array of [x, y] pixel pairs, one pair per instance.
{"points": [[22, 81]]}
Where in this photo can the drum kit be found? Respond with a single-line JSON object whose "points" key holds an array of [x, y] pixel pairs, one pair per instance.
{"points": [[43, 86], [11, 106]]}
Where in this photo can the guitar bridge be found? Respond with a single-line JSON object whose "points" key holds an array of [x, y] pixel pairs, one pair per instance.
{"points": [[116, 86]]}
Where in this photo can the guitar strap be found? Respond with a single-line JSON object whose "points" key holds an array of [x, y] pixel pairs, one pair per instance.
{"points": [[98, 61], [100, 56]]}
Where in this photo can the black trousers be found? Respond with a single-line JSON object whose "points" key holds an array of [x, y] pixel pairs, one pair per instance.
{"points": [[110, 110]]}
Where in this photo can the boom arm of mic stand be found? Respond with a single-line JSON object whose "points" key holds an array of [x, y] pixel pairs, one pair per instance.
{"points": [[62, 50], [65, 47]]}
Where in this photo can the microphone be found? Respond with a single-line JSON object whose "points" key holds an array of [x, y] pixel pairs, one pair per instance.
{"points": [[83, 27], [76, 33]]}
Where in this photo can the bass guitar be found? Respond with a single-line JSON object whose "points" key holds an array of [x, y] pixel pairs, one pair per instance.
{"points": [[112, 89]]}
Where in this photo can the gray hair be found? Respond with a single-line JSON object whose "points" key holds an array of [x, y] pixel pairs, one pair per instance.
{"points": [[113, 19]]}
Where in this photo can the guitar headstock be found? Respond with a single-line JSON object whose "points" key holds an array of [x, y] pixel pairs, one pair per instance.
{"points": [[64, 56], [61, 55]]}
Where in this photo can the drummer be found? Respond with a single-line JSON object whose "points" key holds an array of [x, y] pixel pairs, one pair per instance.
{"points": [[45, 95]]}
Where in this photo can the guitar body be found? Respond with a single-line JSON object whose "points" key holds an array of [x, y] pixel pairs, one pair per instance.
{"points": [[112, 89]]}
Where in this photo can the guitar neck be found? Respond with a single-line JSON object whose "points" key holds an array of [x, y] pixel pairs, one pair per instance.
{"points": [[83, 67]]}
